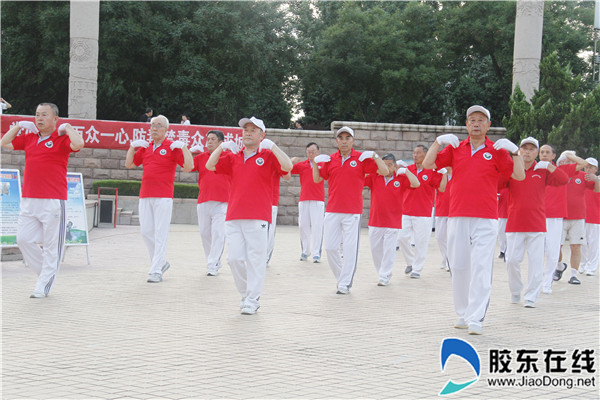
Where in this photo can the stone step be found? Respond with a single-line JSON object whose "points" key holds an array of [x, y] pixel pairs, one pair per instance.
{"points": [[135, 220]]}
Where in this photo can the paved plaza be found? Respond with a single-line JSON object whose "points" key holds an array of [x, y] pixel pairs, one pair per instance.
{"points": [[104, 333]]}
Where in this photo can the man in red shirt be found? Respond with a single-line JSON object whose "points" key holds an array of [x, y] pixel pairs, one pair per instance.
{"points": [[249, 213], [213, 196], [589, 252], [574, 223], [42, 218], [416, 218], [477, 164], [345, 171], [159, 159], [526, 225], [311, 207], [385, 216]]}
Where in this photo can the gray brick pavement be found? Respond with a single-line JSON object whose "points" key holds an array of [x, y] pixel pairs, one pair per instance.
{"points": [[104, 333]]}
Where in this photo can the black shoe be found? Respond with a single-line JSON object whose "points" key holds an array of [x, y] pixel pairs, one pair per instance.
{"points": [[558, 273], [574, 281], [501, 255], [408, 269]]}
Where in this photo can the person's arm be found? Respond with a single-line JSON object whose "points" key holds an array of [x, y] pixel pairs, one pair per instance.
{"points": [[570, 155], [288, 176], [284, 160], [8, 105], [316, 174], [214, 159], [595, 179], [188, 159], [443, 183], [295, 160], [184, 169], [412, 178], [431, 156], [77, 142], [518, 173], [129, 158], [382, 169], [7, 139]]}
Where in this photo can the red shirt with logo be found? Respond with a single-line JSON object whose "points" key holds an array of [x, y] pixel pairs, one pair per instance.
{"points": [[576, 195], [442, 201], [592, 207], [418, 202], [159, 166], [346, 182], [475, 187], [276, 186], [386, 200], [309, 190], [251, 184], [213, 187], [526, 207], [556, 196], [45, 174]]}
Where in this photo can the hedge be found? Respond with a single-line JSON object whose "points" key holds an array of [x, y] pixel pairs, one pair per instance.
{"points": [[132, 188]]}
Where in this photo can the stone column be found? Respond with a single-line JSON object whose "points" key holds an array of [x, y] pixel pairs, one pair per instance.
{"points": [[83, 66], [529, 26]]}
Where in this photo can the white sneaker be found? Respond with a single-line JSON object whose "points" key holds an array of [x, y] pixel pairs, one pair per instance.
{"points": [[212, 273], [383, 282], [249, 310], [343, 290], [154, 278], [460, 324], [547, 290], [529, 304], [37, 295], [515, 298], [589, 273], [165, 267], [475, 329]]}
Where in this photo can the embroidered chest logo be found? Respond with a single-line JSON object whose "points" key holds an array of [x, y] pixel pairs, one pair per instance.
{"points": [[49, 144], [487, 156], [260, 161], [425, 177], [353, 163], [163, 152], [396, 184], [578, 181]]}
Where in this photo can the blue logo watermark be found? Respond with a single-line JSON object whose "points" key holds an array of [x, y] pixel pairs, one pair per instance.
{"points": [[464, 350]]}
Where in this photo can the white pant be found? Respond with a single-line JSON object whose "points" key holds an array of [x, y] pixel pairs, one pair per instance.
{"points": [[471, 245], [246, 254], [211, 221], [42, 221], [342, 230], [502, 234], [554, 227], [271, 244], [589, 251], [310, 220], [417, 229], [517, 243], [155, 220], [383, 248], [441, 235]]}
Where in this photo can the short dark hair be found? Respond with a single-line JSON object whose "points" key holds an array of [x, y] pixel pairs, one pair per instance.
{"points": [[53, 106], [313, 144], [425, 148], [551, 147], [148, 110], [217, 133], [389, 156]]}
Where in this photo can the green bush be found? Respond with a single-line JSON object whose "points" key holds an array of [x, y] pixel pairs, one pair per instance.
{"points": [[132, 188]]}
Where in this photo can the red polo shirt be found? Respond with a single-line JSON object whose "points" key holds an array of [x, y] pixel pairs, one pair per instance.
{"points": [[346, 182], [592, 207], [576, 195], [526, 207], [556, 196], [45, 174], [386, 200], [159, 169], [418, 202], [309, 190], [475, 187], [213, 186], [276, 186], [251, 184], [503, 202]]}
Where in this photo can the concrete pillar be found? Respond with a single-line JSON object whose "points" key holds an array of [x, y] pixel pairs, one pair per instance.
{"points": [[83, 66], [529, 26]]}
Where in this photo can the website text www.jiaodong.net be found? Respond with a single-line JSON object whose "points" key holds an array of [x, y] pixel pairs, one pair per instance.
{"points": [[543, 381]]}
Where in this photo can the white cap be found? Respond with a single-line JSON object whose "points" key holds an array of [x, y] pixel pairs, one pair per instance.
{"points": [[480, 109], [253, 120], [531, 140], [344, 129], [593, 161]]}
